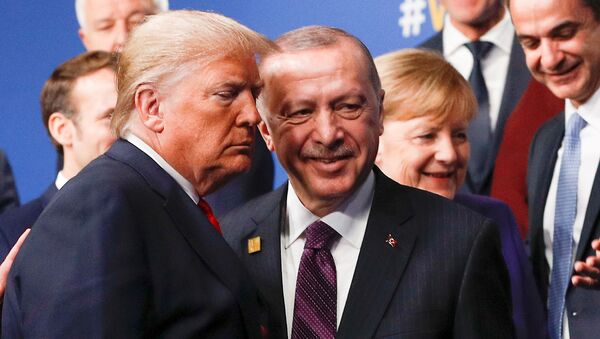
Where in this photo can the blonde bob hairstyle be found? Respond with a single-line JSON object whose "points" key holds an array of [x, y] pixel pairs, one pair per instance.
{"points": [[421, 83], [164, 49]]}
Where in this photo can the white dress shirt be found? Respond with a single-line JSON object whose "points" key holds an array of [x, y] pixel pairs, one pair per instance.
{"points": [[349, 220], [495, 64], [60, 180], [183, 182], [590, 155]]}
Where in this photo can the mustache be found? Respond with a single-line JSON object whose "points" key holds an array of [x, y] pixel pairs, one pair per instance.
{"points": [[320, 151]]}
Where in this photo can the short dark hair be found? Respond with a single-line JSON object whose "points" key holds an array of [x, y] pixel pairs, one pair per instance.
{"points": [[594, 5], [56, 94]]}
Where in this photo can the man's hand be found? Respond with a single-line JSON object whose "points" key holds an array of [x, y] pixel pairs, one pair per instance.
{"points": [[7, 263], [588, 272]]}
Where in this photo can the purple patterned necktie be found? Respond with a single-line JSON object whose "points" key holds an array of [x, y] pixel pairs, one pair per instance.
{"points": [[316, 290]]}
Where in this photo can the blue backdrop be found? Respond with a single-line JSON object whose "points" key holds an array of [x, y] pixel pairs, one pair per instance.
{"points": [[39, 35]]}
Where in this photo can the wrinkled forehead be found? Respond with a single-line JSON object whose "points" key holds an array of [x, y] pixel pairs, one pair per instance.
{"points": [[314, 63]]}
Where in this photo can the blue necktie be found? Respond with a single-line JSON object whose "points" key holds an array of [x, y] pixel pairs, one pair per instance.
{"points": [[480, 129], [564, 217]]}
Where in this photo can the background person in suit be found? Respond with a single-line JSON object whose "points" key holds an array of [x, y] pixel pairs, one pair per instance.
{"points": [[129, 248], [499, 161], [561, 40], [8, 192], [428, 106], [341, 250], [105, 24], [77, 102]]}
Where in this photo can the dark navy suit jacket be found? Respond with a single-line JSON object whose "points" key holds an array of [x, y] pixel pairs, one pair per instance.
{"points": [[16, 220], [122, 252], [8, 191], [582, 305], [445, 278], [528, 310]]}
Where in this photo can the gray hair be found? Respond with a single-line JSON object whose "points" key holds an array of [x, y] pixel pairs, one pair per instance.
{"points": [[159, 5], [314, 37], [168, 44]]}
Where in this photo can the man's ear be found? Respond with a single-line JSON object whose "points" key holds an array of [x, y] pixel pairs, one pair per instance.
{"points": [[147, 105], [379, 156], [84, 39], [266, 135], [381, 96], [61, 129]]}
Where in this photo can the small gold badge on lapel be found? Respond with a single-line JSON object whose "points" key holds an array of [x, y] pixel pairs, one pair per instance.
{"points": [[253, 245], [391, 241]]}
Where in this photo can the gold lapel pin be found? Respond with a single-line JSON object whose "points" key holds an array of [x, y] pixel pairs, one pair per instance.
{"points": [[254, 245], [391, 241]]}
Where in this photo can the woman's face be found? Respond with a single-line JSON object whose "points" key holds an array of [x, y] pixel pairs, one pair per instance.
{"points": [[422, 153]]}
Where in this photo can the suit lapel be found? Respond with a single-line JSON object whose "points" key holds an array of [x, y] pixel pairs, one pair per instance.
{"points": [[196, 229], [265, 265], [380, 266], [541, 170]]}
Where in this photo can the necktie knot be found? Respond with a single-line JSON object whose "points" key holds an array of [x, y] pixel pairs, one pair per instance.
{"points": [[574, 126], [479, 49], [319, 235], [205, 207]]}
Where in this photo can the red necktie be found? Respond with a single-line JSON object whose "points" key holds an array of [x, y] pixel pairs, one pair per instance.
{"points": [[205, 207]]}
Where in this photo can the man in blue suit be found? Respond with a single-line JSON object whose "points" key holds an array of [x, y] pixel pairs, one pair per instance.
{"points": [[77, 102], [561, 39], [129, 248], [341, 250], [501, 170]]}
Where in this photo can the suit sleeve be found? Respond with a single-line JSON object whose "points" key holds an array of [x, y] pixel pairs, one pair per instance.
{"points": [[81, 274], [484, 307], [8, 191]]}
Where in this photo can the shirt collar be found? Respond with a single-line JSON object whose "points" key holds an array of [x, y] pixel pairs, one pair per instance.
{"points": [[349, 219], [501, 35], [60, 181], [589, 110], [183, 182]]}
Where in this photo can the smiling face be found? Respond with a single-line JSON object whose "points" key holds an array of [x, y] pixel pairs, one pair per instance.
{"points": [[425, 153], [209, 118], [324, 121], [561, 40]]}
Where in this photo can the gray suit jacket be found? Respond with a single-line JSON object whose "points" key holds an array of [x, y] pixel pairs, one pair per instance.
{"points": [[445, 278]]}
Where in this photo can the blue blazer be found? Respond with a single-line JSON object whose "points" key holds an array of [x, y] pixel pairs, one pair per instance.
{"points": [[528, 310], [8, 191], [16, 220], [122, 252], [445, 278], [582, 305]]}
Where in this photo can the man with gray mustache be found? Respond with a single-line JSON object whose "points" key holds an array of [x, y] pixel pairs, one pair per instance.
{"points": [[342, 251]]}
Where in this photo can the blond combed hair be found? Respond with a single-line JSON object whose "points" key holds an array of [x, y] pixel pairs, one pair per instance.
{"points": [[170, 44], [420, 83]]}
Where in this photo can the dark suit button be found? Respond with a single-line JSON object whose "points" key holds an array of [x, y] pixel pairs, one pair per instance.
{"points": [[574, 314]]}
